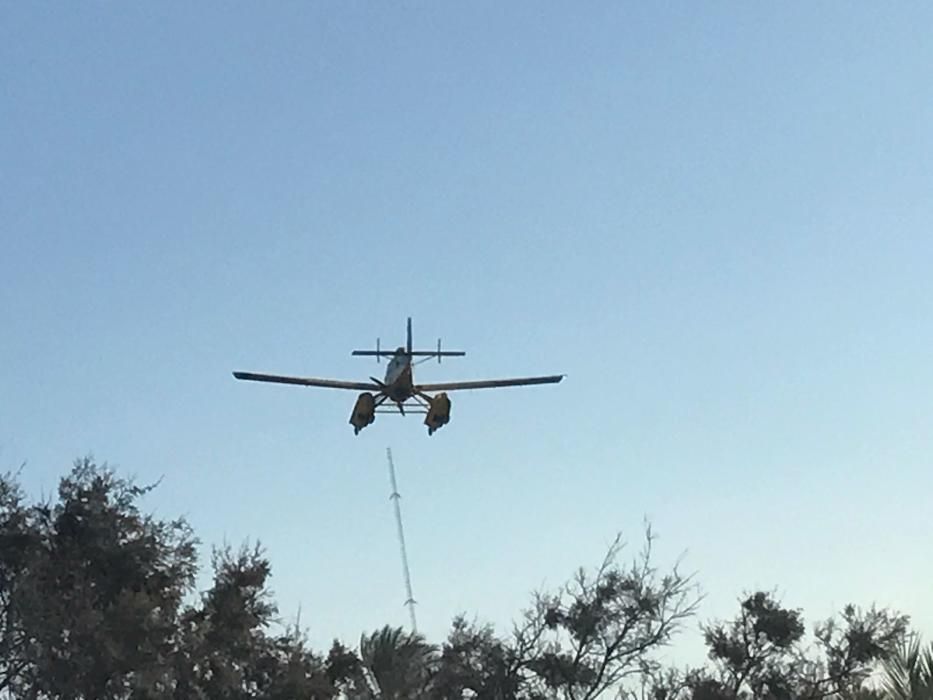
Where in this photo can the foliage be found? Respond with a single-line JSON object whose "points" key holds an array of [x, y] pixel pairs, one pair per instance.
{"points": [[475, 661], [908, 673], [603, 628], [400, 663], [762, 654], [98, 598], [97, 603], [17, 545]]}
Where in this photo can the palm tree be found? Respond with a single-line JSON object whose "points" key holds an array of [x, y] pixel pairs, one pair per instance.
{"points": [[909, 672], [400, 663]]}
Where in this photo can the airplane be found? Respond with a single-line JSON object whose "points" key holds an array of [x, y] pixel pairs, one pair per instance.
{"points": [[399, 386]]}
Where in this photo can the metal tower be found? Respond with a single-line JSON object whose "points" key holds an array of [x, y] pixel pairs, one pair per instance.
{"points": [[410, 602]]}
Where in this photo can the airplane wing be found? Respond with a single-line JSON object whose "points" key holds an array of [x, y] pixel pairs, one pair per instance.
{"points": [[307, 381], [489, 383]]}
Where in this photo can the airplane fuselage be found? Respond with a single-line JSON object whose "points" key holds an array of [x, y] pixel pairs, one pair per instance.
{"points": [[398, 380]]}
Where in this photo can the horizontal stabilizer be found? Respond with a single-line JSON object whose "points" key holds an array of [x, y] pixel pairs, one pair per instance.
{"points": [[416, 353]]}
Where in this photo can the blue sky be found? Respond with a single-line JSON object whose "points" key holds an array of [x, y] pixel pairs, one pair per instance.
{"points": [[715, 218]]}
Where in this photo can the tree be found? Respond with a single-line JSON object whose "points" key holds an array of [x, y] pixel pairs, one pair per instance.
{"points": [[474, 660], [761, 654], [96, 603], [602, 629], [400, 663], [226, 653], [345, 672], [908, 672], [18, 542], [99, 597], [92, 606], [848, 650], [754, 651]]}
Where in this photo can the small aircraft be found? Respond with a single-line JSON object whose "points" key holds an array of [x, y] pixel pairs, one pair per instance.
{"points": [[399, 386]]}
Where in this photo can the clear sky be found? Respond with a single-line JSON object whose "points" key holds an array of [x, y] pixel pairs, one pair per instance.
{"points": [[715, 218]]}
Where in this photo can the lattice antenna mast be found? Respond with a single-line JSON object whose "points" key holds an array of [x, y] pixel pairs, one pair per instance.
{"points": [[395, 497]]}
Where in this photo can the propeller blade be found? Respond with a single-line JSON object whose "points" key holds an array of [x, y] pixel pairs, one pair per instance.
{"points": [[409, 335]]}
